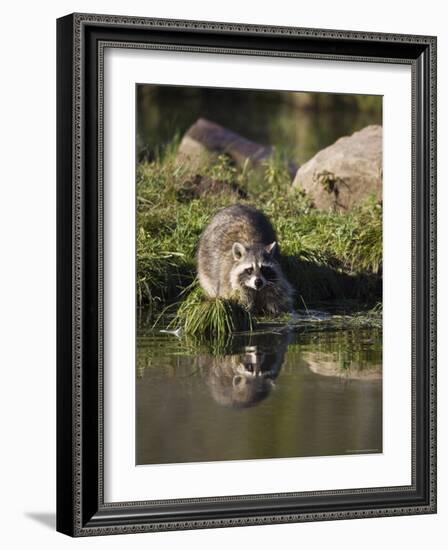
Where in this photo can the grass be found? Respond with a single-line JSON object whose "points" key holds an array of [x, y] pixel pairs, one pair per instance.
{"points": [[214, 323], [326, 255], [216, 319]]}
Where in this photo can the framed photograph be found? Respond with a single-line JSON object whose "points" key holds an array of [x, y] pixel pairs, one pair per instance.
{"points": [[246, 274]]}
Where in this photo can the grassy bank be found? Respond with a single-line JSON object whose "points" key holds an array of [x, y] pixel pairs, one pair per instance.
{"points": [[326, 255]]}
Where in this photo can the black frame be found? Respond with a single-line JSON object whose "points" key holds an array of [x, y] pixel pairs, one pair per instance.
{"points": [[81, 39]]}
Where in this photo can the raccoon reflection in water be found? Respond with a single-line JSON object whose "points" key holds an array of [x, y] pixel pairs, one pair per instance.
{"points": [[246, 378]]}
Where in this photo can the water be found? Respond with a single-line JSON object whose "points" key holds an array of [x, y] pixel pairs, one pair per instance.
{"points": [[300, 123], [279, 392]]}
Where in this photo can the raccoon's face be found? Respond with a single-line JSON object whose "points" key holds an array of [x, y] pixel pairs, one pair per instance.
{"points": [[240, 380], [254, 267], [250, 363]]}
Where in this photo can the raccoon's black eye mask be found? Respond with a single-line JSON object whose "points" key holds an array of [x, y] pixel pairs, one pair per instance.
{"points": [[268, 272], [249, 270]]}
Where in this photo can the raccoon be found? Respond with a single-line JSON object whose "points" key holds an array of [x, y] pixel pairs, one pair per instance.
{"points": [[238, 256], [247, 377], [242, 380]]}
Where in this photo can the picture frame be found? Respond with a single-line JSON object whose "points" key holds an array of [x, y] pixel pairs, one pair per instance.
{"points": [[81, 507]]}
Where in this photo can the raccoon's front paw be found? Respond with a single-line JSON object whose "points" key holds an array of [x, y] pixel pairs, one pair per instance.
{"points": [[249, 307]]}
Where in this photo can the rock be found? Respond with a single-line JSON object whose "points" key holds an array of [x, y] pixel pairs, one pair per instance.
{"points": [[345, 173], [205, 140], [325, 364]]}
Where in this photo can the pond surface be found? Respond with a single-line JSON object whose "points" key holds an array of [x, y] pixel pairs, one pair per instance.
{"points": [[278, 392], [299, 123]]}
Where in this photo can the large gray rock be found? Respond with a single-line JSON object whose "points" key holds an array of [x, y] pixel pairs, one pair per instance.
{"points": [[345, 173], [204, 140]]}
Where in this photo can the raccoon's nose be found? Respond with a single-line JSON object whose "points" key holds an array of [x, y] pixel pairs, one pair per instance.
{"points": [[258, 283]]}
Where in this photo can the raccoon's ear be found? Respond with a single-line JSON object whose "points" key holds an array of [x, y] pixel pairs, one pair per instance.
{"points": [[238, 251], [271, 248]]}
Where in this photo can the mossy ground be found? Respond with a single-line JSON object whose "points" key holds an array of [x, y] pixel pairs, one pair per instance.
{"points": [[326, 255]]}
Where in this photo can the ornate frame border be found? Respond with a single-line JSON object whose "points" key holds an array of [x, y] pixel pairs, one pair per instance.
{"points": [[81, 42]]}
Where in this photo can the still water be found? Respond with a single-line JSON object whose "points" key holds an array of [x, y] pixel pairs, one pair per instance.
{"points": [[279, 392], [299, 123]]}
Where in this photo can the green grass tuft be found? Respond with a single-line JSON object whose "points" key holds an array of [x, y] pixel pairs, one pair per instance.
{"points": [[201, 317]]}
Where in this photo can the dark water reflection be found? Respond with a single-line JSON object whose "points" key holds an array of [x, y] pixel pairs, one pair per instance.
{"points": [[279, 393], [300, 123]]}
